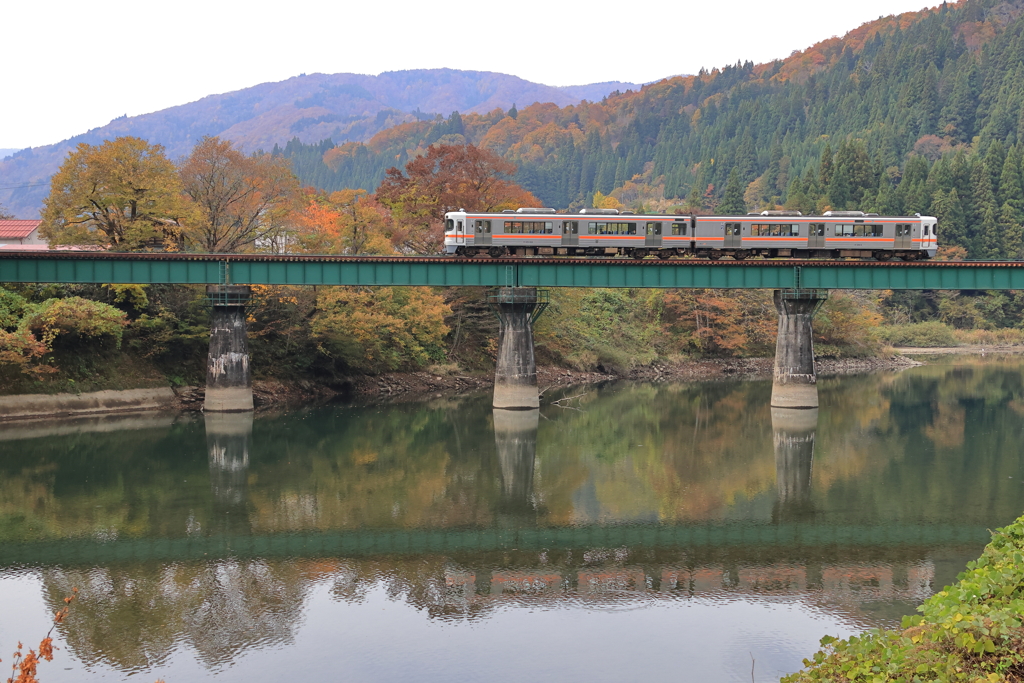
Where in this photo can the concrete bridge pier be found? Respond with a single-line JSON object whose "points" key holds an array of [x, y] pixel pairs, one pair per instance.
{"points": [[228, 382], [515, 376], [794, 383], [793, 431]]}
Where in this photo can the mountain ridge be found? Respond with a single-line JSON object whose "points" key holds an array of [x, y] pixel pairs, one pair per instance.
{"points": [[309, 107]]}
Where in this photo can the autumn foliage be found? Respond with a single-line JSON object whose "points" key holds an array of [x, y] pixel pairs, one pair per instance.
{"points": [[447, 178], [24, 666]]}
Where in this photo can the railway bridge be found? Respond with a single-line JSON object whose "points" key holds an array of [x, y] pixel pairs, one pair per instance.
{"points": [[800, 288]]}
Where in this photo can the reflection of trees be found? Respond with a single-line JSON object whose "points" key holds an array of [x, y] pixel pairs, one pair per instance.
{"points": [[932, 444], [133, 616]]}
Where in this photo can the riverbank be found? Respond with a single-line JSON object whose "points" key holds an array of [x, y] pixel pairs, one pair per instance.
{"points": [[411, 386]]}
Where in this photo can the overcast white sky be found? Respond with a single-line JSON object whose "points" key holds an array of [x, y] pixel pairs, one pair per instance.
{"points": [[70, 65]]}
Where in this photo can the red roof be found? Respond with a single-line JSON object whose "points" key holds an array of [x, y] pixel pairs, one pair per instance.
{"points": [[17, 230]]}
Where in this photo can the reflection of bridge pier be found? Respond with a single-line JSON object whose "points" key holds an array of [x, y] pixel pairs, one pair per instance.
{"points": [[228, 439], [793, 433], [515, 438]]}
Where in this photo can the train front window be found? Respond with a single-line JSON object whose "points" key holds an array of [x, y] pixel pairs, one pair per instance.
{"points": [[451, 223]]}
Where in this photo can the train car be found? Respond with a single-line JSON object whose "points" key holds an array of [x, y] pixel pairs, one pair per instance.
{"points": [[770, 234]]}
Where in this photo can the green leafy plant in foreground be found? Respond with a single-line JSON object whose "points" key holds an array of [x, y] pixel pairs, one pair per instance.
{"points": [[971, 631]]}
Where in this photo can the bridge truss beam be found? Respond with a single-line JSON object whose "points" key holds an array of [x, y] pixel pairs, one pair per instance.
{"points": [[259, 269]]}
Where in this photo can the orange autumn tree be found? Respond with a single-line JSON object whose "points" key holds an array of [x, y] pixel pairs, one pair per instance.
{"points": [[344, 222], [447, 178], [721, 322]]}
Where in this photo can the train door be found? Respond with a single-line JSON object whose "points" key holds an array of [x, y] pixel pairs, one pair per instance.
{"points": [[816, 236], [570, 233], [460, 231], [903, 239], [653, 235], [733, 238], [482, 232]]}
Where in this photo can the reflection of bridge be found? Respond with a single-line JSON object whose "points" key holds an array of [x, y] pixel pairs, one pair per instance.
{"points": [[858, 582], [401, 542]]}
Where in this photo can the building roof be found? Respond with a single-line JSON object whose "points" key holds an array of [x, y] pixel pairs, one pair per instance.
{"points": [[46, 247], [17, 229]]}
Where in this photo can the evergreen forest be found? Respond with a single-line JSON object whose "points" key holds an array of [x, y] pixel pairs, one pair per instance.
{"points": [[917, 113]]}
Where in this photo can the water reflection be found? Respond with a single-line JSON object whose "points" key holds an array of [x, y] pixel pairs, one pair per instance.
{"points": [[216, 533], [515, 439], [228, 440], [793, 436]]}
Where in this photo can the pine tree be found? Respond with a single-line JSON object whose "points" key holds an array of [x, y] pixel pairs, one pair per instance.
{"points": [[985, 240], [825, 166], [732, 203], [950, 214], [1011, 232], [1011, 192]]}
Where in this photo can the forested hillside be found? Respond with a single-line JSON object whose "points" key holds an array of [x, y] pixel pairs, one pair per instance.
{"points": [[916, 113], [310, 108]]}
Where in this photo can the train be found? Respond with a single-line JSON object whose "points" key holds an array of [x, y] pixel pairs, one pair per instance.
{"points": [[614, 233]]}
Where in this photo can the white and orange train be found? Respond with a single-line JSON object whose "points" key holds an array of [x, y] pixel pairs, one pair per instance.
{"points": [[771, 234]]}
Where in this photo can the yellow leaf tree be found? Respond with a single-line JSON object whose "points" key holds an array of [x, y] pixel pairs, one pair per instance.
{"points": [[124, 193]]}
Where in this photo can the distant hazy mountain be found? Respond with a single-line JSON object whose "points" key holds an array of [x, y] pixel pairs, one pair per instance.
{"points": [[4, 153], [312, 108]]}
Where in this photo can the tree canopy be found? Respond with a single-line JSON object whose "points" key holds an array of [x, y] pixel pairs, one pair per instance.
{"points": [[124, 193], [447, 178], [239, 200]]}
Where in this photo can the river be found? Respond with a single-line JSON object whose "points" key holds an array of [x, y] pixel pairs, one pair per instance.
{"points": [[647, 532]]}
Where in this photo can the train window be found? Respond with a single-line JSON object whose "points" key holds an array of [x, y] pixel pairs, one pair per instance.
{"points": [[549, 227], [483, 226], [844, 231], [573, 227], [818, 229], [632, 229], [451, 223], [876, 231], [458, 227], [679, 228]]}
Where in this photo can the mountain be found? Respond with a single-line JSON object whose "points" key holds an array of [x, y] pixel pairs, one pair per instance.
{"points": [[310, 108], [4, 153], [920, 112]]}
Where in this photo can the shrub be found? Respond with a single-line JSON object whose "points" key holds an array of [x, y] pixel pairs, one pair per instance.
{"points": [[377, 329], [922, 335], [1005, 337]]}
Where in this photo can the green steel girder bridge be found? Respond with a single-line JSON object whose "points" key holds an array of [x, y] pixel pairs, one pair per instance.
{"points": [[266, 269], [403, 542]]}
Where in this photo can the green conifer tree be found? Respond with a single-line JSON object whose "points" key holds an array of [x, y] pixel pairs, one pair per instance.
{"points": [[732, 203]]}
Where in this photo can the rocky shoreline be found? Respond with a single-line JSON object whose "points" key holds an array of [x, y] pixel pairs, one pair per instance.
{"points": [[411, 386]]}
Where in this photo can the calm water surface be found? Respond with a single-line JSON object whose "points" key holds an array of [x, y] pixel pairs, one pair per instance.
{"points": [[649, 532]]}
